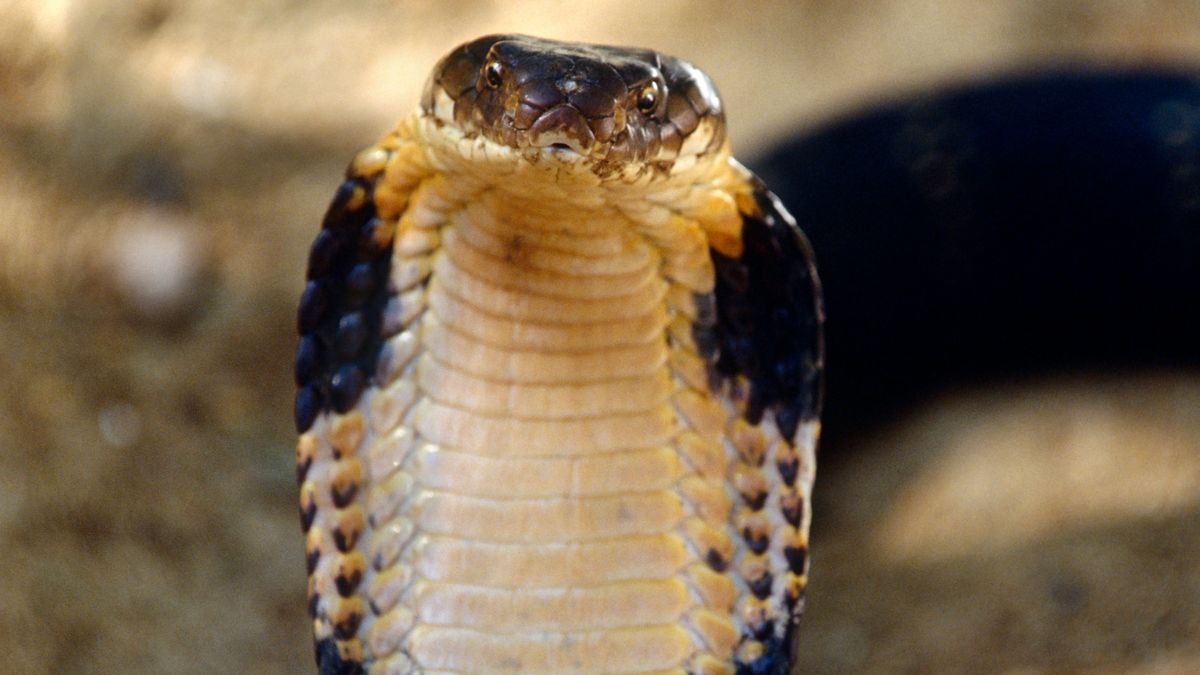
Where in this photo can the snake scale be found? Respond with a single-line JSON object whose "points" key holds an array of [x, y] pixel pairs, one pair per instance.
{"points": [[559, 381]]}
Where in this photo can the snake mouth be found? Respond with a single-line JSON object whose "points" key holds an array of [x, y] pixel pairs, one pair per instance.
{"points": [[564, 127]]}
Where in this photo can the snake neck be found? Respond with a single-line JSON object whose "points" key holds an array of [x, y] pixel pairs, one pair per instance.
{"points": [[553, 316]]}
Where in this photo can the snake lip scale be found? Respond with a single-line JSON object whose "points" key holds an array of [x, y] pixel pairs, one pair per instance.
{"points": [[558, 381]]}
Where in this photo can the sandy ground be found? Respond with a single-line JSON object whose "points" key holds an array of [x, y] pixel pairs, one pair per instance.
{"points": [[163, 166]]}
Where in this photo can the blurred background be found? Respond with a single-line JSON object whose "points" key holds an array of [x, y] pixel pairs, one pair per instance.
{"points": [[164, 165]]}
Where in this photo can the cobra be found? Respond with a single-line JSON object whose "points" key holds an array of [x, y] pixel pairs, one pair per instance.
{"points": [[559, 381]]}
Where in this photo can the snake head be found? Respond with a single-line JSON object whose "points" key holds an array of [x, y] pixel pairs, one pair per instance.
{"points": [[566, 100]]}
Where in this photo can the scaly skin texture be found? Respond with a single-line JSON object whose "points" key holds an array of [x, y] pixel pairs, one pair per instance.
{"points": [[534, 436]]}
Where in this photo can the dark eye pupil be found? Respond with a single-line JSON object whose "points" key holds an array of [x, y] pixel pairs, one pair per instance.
{"points": [[648, 98], [493, 74]]}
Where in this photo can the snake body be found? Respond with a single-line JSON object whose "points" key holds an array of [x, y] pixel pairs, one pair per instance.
{"points": [[559, 381]]}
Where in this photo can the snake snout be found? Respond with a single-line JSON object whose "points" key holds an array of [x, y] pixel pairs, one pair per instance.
{"points": [[563, 125], [575, 108]]}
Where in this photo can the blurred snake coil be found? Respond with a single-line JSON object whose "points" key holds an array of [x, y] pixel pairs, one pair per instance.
{"points": [[559, 381]]}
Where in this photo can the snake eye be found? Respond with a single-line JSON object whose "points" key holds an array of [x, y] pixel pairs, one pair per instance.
{"points": [[647, 100], [493, 74]]}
